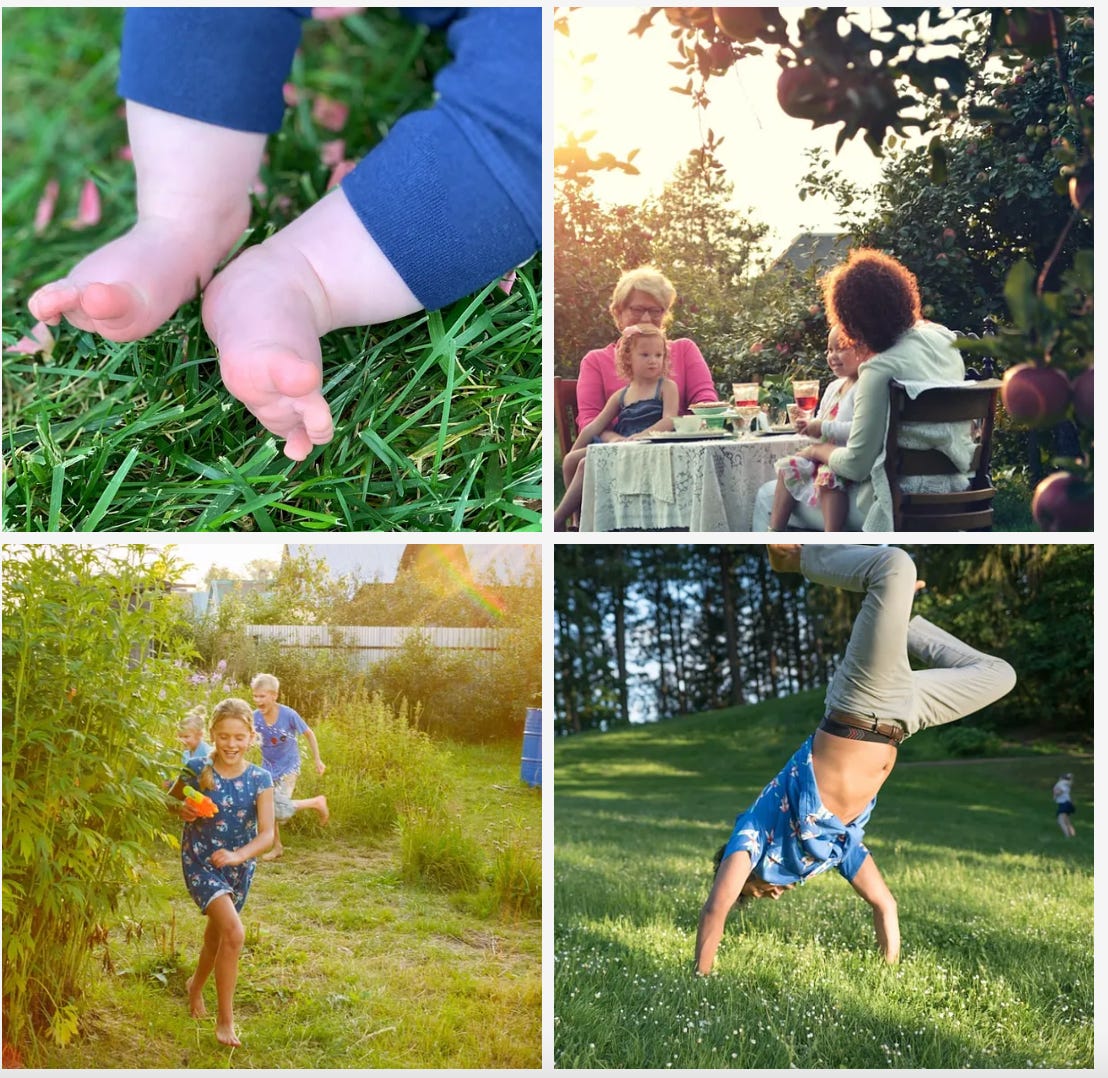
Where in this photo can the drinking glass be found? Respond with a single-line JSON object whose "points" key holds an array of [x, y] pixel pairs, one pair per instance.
{"points": [[745, 393], [806, 395]]}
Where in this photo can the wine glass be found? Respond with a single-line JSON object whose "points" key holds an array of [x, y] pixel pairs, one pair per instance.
{"points": [[745, 393], [746, 413], [806, 395]]}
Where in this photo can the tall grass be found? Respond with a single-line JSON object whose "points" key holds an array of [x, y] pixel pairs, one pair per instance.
{"points": [[995, 911]]}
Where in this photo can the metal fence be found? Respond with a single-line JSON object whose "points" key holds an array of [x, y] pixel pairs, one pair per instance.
{"points": [[369, 644]]}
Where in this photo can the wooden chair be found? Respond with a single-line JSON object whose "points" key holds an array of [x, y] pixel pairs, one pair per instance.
{"points": [[565, 422], [565, 412], [967, 510]]}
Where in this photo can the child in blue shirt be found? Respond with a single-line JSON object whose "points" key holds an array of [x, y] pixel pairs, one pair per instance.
{"points": [[278, 727], [449, 200], [812, 815], [190, 733]]}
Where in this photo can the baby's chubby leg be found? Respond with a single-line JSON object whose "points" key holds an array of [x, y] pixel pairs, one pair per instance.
{"points": [[266, 311], [192, 198]]}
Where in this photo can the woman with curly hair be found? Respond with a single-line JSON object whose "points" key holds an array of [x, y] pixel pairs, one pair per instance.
{"points": [[874, 300]]}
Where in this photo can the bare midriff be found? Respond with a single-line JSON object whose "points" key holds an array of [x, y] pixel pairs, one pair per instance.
{"points": [[849, 773]]}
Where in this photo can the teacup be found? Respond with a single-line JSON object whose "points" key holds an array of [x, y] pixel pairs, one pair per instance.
{"points": [[687, 424]]}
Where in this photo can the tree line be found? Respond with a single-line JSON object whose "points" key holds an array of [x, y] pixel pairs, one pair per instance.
{"points": [[655, 632]]}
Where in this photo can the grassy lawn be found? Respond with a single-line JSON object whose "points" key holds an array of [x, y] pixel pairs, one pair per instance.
{"points": [[996, 910], [345, 964], [438, 416]]}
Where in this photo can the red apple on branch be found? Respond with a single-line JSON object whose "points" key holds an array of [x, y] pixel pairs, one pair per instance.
{"points": [[1062, 502], [1035, 395]]}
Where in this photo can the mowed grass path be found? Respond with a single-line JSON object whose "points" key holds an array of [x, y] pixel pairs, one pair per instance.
{"points": [[996, 910], [345, 965]]}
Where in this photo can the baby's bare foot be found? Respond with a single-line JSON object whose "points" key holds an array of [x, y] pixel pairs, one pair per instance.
{"points": [[225, 1034], [265, 313], [196, 999], [129, 287], [267, 310]]}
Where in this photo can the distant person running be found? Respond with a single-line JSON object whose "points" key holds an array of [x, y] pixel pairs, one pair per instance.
{"points": [[278, 727], [812, 816], [1063, 798]]}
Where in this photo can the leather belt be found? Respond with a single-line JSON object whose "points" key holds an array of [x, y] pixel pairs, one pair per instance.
{"points": [[890, 730]]}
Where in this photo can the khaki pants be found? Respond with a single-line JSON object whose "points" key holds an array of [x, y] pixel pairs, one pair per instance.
{"points": [[874, 678]]}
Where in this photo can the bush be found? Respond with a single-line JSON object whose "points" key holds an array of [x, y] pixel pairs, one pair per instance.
{"points": [[95, 649], [969, 741], [466, 695]]}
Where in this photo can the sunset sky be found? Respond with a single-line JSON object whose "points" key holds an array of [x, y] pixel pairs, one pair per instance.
{"points": [[625, 96]]}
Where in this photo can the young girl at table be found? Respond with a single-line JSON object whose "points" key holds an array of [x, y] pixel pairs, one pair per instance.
{"points": [[800, 479], [218, 851], [648, 404]]}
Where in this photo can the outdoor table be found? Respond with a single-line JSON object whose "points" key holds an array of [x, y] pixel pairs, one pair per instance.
{"points": [[705, 485]]}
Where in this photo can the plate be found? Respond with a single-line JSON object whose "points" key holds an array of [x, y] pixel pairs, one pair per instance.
{"points": [[692, 436], [774, 431]]}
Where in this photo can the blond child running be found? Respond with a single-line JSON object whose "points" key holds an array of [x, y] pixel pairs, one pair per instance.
{"points": [[190, 733], [218, 852], [278, 727], [648, 404]]}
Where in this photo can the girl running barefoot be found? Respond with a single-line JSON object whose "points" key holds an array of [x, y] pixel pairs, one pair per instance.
{"points": [[218, 851]]}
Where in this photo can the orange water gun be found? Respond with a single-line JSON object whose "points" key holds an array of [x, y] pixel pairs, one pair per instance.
{"points": [[204, 805]]}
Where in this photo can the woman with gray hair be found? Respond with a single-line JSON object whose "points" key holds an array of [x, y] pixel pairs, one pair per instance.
{"points": [[641, 295]]}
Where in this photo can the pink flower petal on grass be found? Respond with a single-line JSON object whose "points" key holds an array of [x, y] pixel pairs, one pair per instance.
{"points": [[124, 153], [331, 153], [40, 339], [329, 113], [291, 95], [335, 12], [506, 282], [88, 207], [343, 168], [44, 212]]}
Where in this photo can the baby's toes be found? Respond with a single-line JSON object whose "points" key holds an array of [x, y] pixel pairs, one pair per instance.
{"points": [[52, 300], [296, 377], [298, 445], [316, 418]]}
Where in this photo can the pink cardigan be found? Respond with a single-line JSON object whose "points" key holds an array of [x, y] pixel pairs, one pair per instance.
{"points": [[598, 380]]}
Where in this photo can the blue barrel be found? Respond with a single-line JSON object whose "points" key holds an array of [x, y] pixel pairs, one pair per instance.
{"points": [[530, 761]]}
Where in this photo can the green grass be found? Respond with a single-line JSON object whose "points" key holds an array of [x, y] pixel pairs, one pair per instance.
{"points": [[438, 416], [345, 964], [995, 909]]}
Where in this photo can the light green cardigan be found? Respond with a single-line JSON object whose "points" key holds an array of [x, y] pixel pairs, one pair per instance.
{"points": [[924, 353]]}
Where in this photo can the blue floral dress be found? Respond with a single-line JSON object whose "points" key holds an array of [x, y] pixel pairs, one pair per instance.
{"points": [[233, 826]]}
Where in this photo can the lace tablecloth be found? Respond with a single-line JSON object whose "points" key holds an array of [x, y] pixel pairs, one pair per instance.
{"points": [[702, 486]]}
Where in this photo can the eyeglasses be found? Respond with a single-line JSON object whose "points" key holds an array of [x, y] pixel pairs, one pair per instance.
{"points": [[652, 313]]}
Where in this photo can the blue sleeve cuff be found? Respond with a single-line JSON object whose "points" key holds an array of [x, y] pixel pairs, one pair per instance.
{"points": [[453, 194], [223, 66]]}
